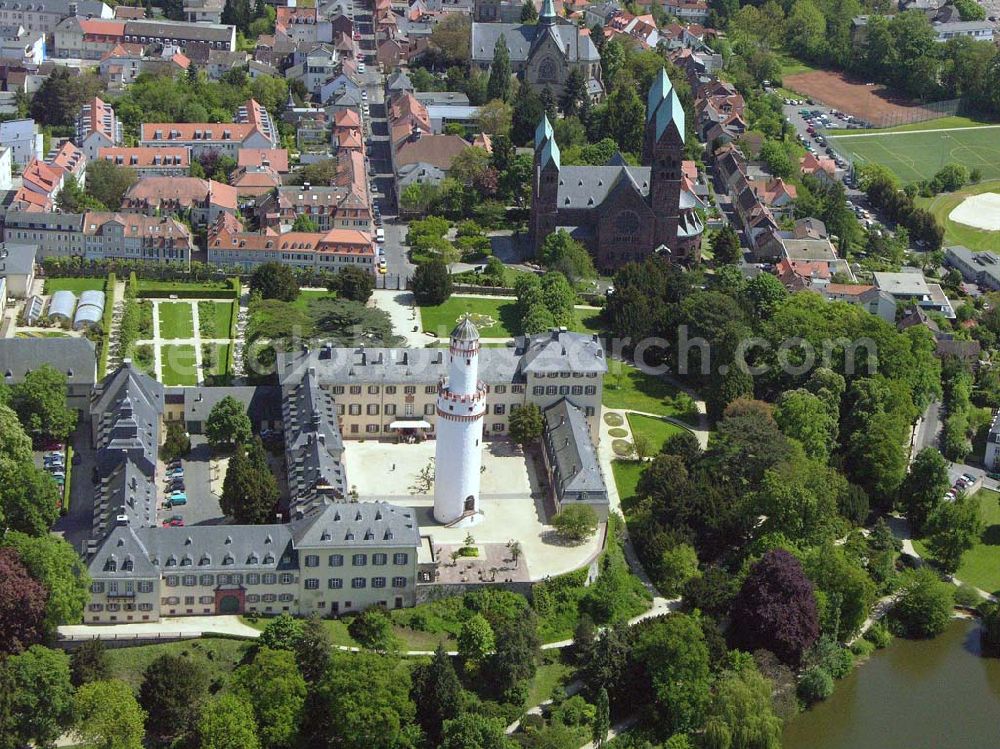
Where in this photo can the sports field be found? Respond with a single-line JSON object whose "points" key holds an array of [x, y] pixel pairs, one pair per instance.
{"points": [[955, 233], [917, 155]]}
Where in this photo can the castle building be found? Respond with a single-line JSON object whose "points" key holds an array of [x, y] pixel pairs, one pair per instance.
{"points": [[622, 213], [461, 405], [544, 53]]}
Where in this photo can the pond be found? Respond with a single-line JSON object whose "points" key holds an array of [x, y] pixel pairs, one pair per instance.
{"points": [[923, 694]]}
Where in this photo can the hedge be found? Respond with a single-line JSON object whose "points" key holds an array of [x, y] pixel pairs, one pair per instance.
{"points": [[233, 324], [67, 487], [154, 292], [109, 310]]}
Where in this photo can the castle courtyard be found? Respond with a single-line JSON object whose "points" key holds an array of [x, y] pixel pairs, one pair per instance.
{"points": [[513, 498]]}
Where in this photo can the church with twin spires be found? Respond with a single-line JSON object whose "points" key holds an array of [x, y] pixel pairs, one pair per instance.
{"points": [[622, 213]]}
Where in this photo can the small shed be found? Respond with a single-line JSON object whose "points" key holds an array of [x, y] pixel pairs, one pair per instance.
{"points": [[90, 310]]}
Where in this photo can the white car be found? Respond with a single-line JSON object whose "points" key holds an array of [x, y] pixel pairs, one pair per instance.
{"points": [[379, 234], [361, 67]]}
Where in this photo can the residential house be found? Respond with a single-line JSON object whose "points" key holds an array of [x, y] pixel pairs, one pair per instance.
{"points": [[22, 45], [316, 251], [252, 128], [911, 288], [980, 268], [23, 138], [150, 162], [46, 16], [203, 11], [17, 268], [203, 200], [870, 298], [97, 127]]}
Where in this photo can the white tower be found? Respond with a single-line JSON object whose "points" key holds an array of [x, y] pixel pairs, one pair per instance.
{"points": [[461, 404]]}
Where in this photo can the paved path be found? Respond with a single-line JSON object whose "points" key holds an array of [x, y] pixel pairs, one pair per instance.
{"points": [[196, 326], [196, 341], [157, 350], [166, 628]]}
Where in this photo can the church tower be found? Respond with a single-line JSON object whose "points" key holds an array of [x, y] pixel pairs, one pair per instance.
{"points": [[663, 150], [461, 405], [544, 196]]}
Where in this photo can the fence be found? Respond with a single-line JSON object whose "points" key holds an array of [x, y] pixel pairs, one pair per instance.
{"points": [[921, 113]]}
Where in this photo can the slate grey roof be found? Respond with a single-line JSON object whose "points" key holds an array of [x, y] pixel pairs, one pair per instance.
{"points": [[126, 490], [465, 331], [17, 259], [575, 467], [418, 172], [204, 548], [554, 351], [126, 550], [520, 38], [434, 98], [313, 444], [70, 222], [126, 409], [399, 81], [206, 32], [561, 350], [263, 402], [588, 186], [84, 8], [355, 524], [75, 357]]}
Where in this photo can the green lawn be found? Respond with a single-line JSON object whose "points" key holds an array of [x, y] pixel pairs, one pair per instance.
{"points": [[628, 388], [981, 564], [656, 430], [304, 297], [626, 473], [41, 334], [176, 320], [412, 639], [916, 155], [554, 670], [215, 354], [215, 319], [792, 65], [496, 318], [589, 320], [941, 123], [166, 288], [76, 285], [219, 656], [942, 205], [179, 365]]}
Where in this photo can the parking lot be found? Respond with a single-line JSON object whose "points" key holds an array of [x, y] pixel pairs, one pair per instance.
{"points": [[202, 482], [809, 121]]}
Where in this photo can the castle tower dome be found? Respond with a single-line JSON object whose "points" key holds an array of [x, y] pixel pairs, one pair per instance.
{"points": [[461, 405]]}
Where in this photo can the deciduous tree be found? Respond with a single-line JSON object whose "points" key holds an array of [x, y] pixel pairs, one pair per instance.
{"points": [[22, 604], [475, 641], [227, 424], [953, 528], [475, 731], [276, 691], [924, 487], [36, 697], [274, 281], [776, 608], [172, 692], [227, 722], [526, 424], [107, 715], [40, 403], [432, 283], [354, 283], [372, 628], [924, 607], [576, 523]]}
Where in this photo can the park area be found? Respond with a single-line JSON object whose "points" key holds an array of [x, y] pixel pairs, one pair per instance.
{"points": [[76, 285], [981, 564], [955, 232], [176, 320], [627, 388], [915, 155], [495, 317]]}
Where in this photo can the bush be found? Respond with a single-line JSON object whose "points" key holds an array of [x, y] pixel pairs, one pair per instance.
{"points": [[862, 648], [816, 684], [839, 663], [576, 523], [177, 442], [924, 608], [879, 635], [967, 596]]}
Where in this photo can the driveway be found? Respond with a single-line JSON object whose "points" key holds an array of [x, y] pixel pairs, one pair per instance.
{"points": [[404, 313], [202, 506], [76, 525]]}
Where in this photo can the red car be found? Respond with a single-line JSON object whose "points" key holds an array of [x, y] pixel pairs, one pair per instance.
{"points": [[53, 446], [175, 521]]}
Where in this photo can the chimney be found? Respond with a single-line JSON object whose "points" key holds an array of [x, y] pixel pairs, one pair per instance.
{"points": [[305, 185]]}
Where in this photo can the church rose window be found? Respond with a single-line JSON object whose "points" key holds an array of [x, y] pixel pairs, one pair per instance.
{"points": [[547, 70]]}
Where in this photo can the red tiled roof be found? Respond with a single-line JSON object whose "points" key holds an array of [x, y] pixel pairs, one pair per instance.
{"points": [[276, 158], [141, 156]]}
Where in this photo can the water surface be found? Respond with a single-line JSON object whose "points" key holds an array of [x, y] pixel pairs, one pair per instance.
{"points": [[916, 694]]}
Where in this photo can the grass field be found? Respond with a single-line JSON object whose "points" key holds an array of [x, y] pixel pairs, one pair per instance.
{"points": [[497, 318], [218, 656], [214, 318], [166, 288], [918, 154], [178, 365], [941, 123], [308, 295], [981, 564], [627, 388], [41, 334], [176, 320], [626, 473], [942, 206], [76, 285], [656, 430]]}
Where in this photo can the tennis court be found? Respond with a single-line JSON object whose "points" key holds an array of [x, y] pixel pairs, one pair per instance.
{"points": [[919, 154]]}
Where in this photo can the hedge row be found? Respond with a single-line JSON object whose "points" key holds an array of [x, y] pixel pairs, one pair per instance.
{"points": [[233, 324], [67, 487], [109, 310], [155, 292]]}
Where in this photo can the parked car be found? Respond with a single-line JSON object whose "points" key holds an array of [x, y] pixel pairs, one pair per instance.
{"points": [[177, 498], [172, 472], [174, 521], [77, 459], [379, 234], [53, 445]]}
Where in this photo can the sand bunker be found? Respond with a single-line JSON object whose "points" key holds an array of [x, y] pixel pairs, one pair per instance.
{"points": [[979, 211]]}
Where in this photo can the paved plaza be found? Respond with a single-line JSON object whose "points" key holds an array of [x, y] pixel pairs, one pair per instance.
{"points": [[513, 499]]}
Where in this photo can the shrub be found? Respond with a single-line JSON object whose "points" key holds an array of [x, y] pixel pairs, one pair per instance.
{"points": [[924, 608], [839, 663], [967, 596], [879, 635], [862, 648], [816, 684]]}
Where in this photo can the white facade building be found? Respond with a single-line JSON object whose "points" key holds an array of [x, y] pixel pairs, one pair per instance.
{"points": [[461, 405]]}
